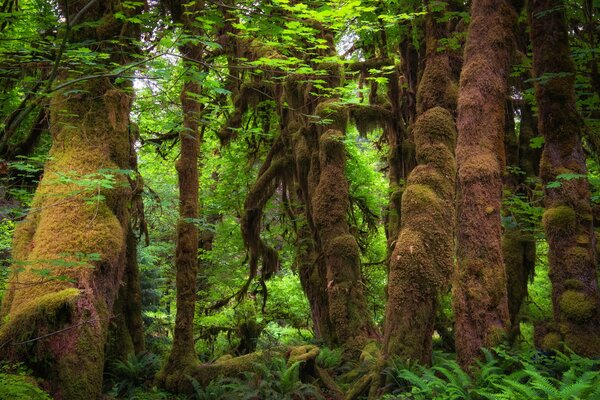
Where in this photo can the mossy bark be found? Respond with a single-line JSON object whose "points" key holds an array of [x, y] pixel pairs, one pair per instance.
{"points": [[422, 259], [183, 354], [568, 220], [331, 258], [348, 313], [479, 290], [518, 240], [70, 252], [90, 133]]}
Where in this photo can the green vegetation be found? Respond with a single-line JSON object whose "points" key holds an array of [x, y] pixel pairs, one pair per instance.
{"points": [[327, 257]]}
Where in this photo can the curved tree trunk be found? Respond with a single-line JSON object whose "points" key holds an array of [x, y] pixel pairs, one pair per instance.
{"points": [[568, 220], [480, 299], [422, 260], [70, 252]]}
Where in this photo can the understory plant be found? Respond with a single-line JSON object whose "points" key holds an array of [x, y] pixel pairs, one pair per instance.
{"points": [[500, 375]]}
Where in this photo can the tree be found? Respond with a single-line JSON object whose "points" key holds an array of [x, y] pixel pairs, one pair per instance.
{"points": [[70, 252], [568, 219], [421, 263], [479, 291]]}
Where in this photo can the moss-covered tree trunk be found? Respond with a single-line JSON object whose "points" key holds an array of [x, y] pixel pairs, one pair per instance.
{"points": [[479, 291], [422, 260], [70, 252], [568, 220], [182, 358], [518, 240]]}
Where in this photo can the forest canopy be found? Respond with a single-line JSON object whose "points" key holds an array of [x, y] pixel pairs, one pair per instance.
{"points": [[349, 199]]}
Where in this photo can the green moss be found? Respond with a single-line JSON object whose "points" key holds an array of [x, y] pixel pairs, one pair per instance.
{"points": [[370, 354], [552, 341], [559, 220], [303, 353], [16, 387], [579, 258], [583, 239], [416, 197], [478, 167], [436, 125], [332, 114], [576, 306], [43, 311], [573, 284], [585, 343]]}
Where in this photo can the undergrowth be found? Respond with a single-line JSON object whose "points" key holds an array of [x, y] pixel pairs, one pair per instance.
{"points": [[501, 375]]}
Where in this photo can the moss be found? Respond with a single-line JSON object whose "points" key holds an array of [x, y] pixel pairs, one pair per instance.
{"points": [[303, 353], [435, 126], [576, 306], [332, 114], [17, 387], [42, 312], [370, 353], [559, 221], [573, 284], [417, 196], [583, 239], [551, 341], [495, 336], [368, 117], [585, 342], [479, 167]]}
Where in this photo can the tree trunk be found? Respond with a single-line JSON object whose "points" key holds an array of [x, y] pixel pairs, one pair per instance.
{"points": [[480, 298], [77, 234], [568, 220], [183, 355], [422, 260], [70, 252], [518, 241]]}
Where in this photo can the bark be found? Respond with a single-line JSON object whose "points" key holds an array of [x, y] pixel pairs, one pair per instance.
{"points": [[480, 297], [568, 220], [183, 354], [77, 236], [518, 241], [90, 133], [422, 259]]}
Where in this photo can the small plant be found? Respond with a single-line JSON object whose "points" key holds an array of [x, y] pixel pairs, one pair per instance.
{"points": [[134, 372], [329, 358], [500, 375], [20, 387], [274, 379]]}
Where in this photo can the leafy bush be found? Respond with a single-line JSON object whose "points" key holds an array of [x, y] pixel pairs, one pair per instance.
{"points": [[273, 379], [329, 358], [19, 387], [134, 372], [501, 375]]}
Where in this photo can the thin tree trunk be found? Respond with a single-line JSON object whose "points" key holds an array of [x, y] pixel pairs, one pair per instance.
{"points": [[183, 358]]}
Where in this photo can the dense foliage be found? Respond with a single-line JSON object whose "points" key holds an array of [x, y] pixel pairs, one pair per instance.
{"points": [[295, 99]]}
